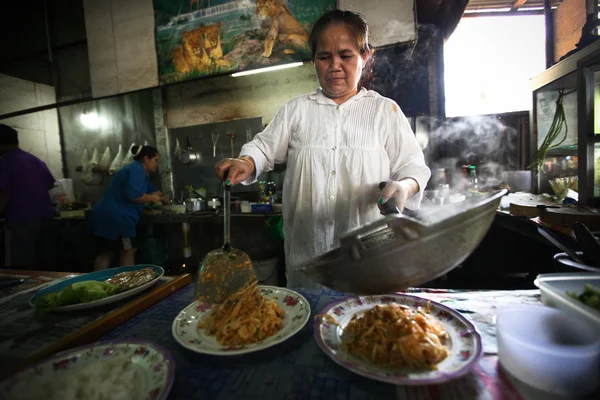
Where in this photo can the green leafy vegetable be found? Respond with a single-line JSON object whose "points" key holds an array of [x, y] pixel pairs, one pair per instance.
{"points": [[79, 292], [590, 296], [558, 123]]}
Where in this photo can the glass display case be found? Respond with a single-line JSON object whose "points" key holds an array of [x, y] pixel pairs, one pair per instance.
{"points": [[572, 159]]}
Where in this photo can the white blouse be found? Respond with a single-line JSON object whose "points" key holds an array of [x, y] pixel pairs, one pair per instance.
{"points": [[336, 157]]}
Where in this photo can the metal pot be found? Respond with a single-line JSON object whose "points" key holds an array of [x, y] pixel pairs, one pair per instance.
{"points": [[195, 205], [188, 156]]}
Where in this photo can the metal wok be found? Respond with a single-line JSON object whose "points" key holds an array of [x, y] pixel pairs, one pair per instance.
{"points": [[408, 251]]}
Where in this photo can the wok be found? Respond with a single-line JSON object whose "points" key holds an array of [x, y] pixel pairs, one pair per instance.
{"points": [[408, 251]]}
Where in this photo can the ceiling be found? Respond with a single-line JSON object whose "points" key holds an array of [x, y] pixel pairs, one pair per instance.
{"points": [[445, 14], [476, 8]]}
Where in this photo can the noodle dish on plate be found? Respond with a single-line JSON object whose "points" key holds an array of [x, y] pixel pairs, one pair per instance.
{"points": [[253, 318], [399, 339]]}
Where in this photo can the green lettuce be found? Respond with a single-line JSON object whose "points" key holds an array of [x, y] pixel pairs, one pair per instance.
{"points": [[590, 296], [79, 292]]}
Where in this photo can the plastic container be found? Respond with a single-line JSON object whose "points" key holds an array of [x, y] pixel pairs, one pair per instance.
{"points": [[548, 349], [554, 288], [266, 271], [245, 207], [260, 208]]}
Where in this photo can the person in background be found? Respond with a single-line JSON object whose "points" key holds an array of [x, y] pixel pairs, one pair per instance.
{"points": [[115, 216], [339, 142], [24, 201]]}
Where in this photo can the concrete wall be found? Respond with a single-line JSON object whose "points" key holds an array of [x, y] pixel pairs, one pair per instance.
{"points": [[226, 98], [120, 37], [38, 132], [121, 46], [126, 119], [569, 18]]}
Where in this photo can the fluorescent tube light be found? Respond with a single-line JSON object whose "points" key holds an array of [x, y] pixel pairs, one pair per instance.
{"points": [[267, 69]]}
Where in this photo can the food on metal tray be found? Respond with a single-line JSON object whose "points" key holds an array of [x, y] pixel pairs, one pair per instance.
{"points": [[243, 318], [132, 279], [86, 291], [590, 296], [396, 336], [78, 292]]}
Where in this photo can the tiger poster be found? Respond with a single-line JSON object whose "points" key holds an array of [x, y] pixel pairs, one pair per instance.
{"points": [[200, 38]]}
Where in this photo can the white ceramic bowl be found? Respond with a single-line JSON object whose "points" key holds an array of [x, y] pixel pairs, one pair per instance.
{"points": [[174, 208], [548, 349]]}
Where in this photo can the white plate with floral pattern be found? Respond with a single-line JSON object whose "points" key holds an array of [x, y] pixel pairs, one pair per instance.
{"points": [[153, 365], [185, 331], [464, 341]]}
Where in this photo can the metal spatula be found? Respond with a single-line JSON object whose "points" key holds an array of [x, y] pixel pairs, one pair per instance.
{"points": [[223, 271]]}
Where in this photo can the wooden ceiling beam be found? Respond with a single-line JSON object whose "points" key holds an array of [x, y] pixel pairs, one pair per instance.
{"points": [[517, 4]]}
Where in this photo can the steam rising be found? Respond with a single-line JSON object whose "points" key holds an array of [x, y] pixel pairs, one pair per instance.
{"points": [[483, 141], [478, 140]]}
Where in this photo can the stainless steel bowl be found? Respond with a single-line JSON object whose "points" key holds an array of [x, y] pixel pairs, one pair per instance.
{"points": [[407, 251], [195, 205]]}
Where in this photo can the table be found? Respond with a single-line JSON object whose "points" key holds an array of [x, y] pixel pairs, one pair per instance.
{"points": [[26, 336], [298, 369]]}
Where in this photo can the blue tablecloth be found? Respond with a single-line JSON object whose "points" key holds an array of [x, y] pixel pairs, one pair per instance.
{"points": [[294, 369]]}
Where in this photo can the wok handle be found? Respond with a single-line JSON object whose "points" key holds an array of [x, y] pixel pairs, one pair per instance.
{"points": [[403, 226], [390, 206]]}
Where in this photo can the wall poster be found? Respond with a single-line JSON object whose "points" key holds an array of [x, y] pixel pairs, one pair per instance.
{"points": [[199, 38]]}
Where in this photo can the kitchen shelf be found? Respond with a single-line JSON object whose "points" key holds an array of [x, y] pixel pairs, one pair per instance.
{"points": [[562, 151], [578, 76]]}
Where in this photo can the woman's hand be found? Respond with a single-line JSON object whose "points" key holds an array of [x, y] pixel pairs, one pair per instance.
{"points": [[400, 191], [165, 200], [153, 198], [162, 198], [234, 169]]}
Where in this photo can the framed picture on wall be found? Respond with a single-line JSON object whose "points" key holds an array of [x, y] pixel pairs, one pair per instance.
{"points": [[200, 38]]}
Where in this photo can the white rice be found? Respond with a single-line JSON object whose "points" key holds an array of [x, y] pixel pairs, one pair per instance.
{"points": [[113, 379]]}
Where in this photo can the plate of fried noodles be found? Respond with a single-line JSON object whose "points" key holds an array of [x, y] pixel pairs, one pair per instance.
{"points": [[399, 339], [253, 318]]}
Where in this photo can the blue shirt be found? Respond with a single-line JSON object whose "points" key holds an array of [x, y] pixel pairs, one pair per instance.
{"points": [[116, 215]]}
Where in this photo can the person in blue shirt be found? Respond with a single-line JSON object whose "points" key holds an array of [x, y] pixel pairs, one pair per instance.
{"points": [[116, 214]]}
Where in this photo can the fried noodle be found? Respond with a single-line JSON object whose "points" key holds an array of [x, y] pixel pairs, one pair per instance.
{"points": [[243, 318], [396, 336]]}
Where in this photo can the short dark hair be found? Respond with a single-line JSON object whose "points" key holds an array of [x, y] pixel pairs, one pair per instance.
{"points": [[144, 151], [359, 33], [8, 135]]}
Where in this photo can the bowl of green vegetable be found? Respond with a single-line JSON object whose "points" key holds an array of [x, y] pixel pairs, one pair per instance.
{"points": [[576, 293]]}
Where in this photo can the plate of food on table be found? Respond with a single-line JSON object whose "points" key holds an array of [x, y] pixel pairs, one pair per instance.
{"points": [[97, 288], [117, 370], [253, 318], [398, 338]]}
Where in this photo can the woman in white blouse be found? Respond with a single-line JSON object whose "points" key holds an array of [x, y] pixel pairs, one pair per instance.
{"points": [[339, 142]]}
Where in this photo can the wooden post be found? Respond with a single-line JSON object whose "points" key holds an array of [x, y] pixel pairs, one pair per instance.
{"points": [[549, 22]]}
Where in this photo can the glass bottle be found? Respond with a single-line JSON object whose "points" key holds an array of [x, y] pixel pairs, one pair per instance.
{"points": [[473, 183], [443, 187]]}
